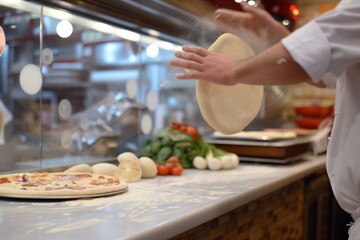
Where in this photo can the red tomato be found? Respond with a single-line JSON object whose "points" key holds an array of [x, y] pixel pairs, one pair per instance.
{"points": [[175, 126], [192, 131], [173, 159], [183, 128], [163, 170], [170, 166], [177, 170]]}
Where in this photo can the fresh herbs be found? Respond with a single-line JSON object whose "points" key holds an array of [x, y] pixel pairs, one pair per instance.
{"points": [[179, 140]]}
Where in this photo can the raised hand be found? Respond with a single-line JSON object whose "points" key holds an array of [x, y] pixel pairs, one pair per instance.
{"points": [[253, 19], [204, 65]]}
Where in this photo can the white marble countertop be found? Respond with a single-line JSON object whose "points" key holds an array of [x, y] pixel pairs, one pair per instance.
{"points": [[157, 208]]}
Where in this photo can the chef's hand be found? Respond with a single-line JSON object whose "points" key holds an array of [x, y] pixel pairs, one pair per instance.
{"points": [[202, 64], [254, 19]]}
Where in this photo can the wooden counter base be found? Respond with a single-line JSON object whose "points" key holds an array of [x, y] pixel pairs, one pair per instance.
{"points": [[278, 215]]}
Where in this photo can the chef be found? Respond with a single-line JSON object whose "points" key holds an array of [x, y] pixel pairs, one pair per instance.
{"points": [[324, 52]]}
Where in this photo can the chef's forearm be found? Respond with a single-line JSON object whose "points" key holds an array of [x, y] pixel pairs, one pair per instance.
{"points": [[273, 66]]}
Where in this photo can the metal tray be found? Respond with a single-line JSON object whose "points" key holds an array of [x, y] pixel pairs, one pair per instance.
{"points": [[275, 160], [280, 149]]}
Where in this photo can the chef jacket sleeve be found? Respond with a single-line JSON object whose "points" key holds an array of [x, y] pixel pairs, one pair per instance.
{"points": [[329, 43]]}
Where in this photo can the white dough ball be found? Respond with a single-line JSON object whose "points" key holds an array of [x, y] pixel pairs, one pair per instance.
{"points": [[127, 156], [104, 169], [129, 169], [200, 162], [83, 168], [214, 164], [226, 162], [148, 167]]}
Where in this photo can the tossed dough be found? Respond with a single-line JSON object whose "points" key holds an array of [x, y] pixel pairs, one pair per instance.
{"points": [[229, 109], [105, 169], [85, 168]]}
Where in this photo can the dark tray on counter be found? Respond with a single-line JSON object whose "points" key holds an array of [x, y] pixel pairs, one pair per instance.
{"points": [[276, 151]]}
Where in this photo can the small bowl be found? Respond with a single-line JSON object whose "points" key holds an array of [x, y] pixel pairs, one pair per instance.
{"points": [[308, 123], [314, 111]]}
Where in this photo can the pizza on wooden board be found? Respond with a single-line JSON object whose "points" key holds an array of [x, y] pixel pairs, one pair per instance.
{"points": [[58, 184]]}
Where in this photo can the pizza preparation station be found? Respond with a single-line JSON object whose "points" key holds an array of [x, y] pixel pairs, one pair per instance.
{"points": [[84, 85], [159, 208]]}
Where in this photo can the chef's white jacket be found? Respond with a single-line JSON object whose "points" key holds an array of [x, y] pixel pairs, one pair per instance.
{"points": [[329, 47]]}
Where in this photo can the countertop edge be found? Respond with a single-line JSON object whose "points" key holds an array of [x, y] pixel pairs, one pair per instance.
{"points": [[174, 227]]}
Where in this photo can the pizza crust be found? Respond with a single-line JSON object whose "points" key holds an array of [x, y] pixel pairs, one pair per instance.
{"points": [[15, 190], [229, 109]]}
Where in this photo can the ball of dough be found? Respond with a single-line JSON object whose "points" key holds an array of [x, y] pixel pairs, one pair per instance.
{"points": [[127, 155], [129, 169], [200, 162], [148, 167], [84, 168], [105, 169]]}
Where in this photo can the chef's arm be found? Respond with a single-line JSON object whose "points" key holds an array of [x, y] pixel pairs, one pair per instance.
{"points": [[273, 66], [283, 69], [256, 20]]}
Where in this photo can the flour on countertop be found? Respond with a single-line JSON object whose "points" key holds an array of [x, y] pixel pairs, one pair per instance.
{"points": [[75, 225], [147, 200]]}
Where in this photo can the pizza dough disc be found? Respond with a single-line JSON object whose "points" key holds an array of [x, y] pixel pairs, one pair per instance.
{"points": [[229, 109]]}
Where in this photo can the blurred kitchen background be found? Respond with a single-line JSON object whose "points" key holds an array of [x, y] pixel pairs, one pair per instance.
{"points": [[106, 85]]}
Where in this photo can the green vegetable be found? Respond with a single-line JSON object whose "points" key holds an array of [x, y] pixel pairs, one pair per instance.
{"points": [[173, 142]]}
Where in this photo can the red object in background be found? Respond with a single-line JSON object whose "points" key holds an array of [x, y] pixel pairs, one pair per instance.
{"points": [[280, 9], [285, 9], [314, 111], [308, 123], [313, 117], [228, 4]]}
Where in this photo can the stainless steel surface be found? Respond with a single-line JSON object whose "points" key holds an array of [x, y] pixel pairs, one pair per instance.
{"points": [[265, 143], [106, 120], [116, 54]]}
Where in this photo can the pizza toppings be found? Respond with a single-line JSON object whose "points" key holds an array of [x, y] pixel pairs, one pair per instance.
{"points": [[98, 182], [58, 184], [73, 177], [4, 180]]}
